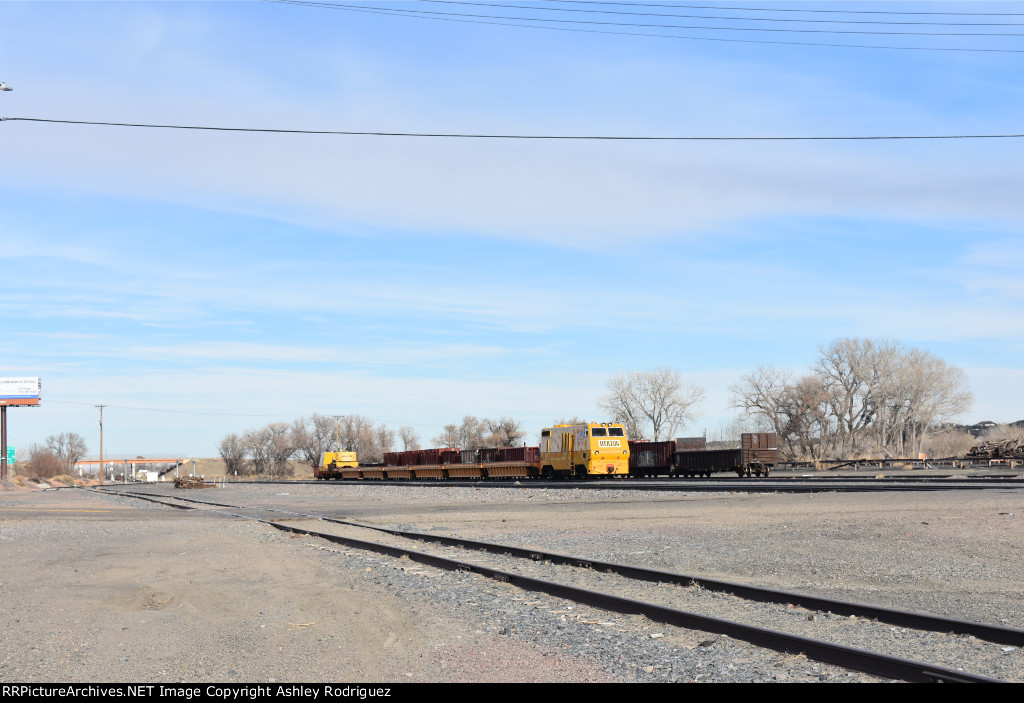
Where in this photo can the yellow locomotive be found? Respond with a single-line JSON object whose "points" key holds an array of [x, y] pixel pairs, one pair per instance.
{"points": [[584, 450]]}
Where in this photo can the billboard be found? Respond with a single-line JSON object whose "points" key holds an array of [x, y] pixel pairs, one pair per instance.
{"points": [[20, 391]]}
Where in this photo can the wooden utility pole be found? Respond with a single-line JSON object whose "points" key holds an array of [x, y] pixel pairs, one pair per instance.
{"points": [[3, 441], [337, 432], [101, 443]]}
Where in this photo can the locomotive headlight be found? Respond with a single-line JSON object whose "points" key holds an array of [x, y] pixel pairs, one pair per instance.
{"points": [[623, 451], [596, 452]]}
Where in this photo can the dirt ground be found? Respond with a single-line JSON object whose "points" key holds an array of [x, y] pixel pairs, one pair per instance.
{"points": [[95, 588]]}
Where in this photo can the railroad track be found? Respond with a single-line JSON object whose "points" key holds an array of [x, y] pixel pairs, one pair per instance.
{"points": [[774, 619], [782, 484]]}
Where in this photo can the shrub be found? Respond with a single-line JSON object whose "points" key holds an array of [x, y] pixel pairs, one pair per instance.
{"points": [[41, 463]]}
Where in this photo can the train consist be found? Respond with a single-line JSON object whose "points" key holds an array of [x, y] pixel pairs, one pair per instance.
{"points": [[566, 451]]}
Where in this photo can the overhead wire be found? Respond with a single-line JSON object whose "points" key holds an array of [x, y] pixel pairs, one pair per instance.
{"points": [[401, 13], [467, 135], [789, 9], [167, 410], [658, 26], [219, 414], [719, 17]]}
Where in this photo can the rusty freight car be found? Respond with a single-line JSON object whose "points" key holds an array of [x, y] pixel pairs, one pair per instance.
{"points": [[757, 455]]}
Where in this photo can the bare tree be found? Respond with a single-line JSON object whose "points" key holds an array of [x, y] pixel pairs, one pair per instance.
{"points": [[656, 400], [760, 395], [477, 433], [281, 448], [936, 393], [385, 439], [358, 434], [806, 404], [232, 451], [257, 448], [449, 437], [313, 437], [68, 447], [410, 440], [269, 449], [504, 432]]}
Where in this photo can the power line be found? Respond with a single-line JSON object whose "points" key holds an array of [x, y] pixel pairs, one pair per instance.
{"points": [[419, 13], [164, 410], [399, 13], [200, 412], [720, 17], [452, 135], [790, 9]]}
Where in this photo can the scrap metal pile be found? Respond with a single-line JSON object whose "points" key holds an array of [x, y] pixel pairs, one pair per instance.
{"points": [[192, 482], [1006, 449]]}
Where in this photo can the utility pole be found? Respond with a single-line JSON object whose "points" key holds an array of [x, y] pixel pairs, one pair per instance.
{"points": [[101, 443], [337, 432], [3, 441]]}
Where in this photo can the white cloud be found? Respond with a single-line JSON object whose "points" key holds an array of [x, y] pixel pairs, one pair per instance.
{"points": [[577, 194]]}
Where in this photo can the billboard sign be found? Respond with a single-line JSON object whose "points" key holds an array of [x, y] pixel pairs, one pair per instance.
{"points": [[20, 391]]}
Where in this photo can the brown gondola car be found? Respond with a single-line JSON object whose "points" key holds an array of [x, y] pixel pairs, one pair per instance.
{"points": [[757, 455], [650, 458]]}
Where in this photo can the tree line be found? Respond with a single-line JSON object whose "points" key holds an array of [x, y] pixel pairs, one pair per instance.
{"points": [[480, 433], [862, 398], [267, 450]]}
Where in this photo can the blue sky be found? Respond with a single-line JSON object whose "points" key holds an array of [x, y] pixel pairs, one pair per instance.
{"points": [[201, 283]]}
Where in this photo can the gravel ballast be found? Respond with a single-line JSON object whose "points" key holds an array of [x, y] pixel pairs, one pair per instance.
{"points": [[144, 593]]}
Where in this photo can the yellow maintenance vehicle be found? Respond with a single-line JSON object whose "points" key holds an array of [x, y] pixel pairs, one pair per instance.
{"points": [[584, 450], [331, 464]]}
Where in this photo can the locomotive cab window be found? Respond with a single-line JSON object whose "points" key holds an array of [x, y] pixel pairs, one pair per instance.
{"points": [[598, 432], [615, 432]]}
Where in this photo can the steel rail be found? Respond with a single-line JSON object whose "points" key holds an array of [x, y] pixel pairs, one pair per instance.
{"points": [[827, 652], [903, 618], [874, 663], [720, 485]]}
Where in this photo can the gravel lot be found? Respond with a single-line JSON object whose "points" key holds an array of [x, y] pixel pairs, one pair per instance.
{"points": [[102, 588]]}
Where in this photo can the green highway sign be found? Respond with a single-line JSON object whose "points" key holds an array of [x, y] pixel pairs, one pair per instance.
{"points": [[10, 455]]}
